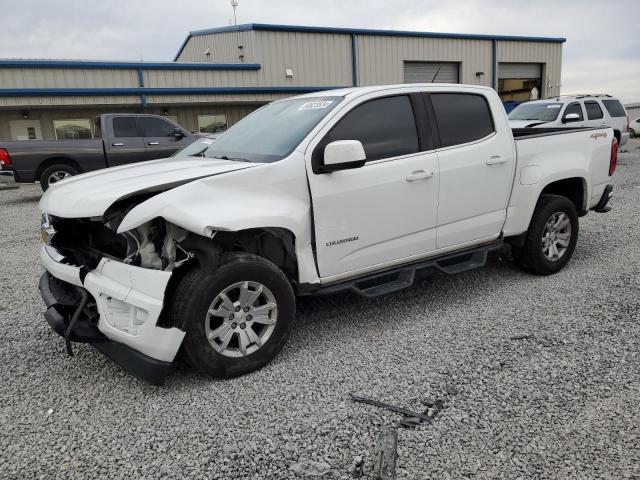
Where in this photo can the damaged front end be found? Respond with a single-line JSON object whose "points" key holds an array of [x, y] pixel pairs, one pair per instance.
{"points": [[108, 289]]}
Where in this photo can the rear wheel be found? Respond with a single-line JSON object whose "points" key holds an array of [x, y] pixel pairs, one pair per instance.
{"points": [[632, 133], [54, 174], [551, 237], [237, 319]]}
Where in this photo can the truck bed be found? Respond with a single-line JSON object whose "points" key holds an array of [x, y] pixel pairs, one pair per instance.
{"points": [[27, 156]]}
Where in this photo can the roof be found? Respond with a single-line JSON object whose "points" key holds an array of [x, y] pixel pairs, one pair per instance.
{"points": [[99, 64], [358, 91], [362, 31]]}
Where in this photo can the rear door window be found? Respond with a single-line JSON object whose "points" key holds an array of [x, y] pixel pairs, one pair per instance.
{"points": [[594, 112], [615, 108], [462, 117], [125, 127], [574, 108], [386, 128]]}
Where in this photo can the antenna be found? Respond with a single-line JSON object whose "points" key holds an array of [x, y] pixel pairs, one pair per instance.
{"points": [[234, 4], [434, 77]]}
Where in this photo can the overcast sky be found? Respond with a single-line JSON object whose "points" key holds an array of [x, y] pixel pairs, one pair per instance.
{"points": [[602, 53]]}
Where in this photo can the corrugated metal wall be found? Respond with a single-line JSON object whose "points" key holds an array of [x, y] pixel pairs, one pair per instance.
{"points": [[223, 48], [316, 59], [380, 58], [549, 54], [119, 78]]}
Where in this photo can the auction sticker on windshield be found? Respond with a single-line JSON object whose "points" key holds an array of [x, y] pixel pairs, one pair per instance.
{"points": [[554, 106], [315, 105]]}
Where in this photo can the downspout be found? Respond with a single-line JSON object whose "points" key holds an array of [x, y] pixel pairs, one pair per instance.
{"points": [[494, 69], [143, 98], [354, 59]]}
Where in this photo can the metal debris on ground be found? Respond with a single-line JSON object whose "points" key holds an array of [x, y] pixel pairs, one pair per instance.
{"points": [[356, 470], [385, 466], [310, 468], [433, 408], [393, 408]]}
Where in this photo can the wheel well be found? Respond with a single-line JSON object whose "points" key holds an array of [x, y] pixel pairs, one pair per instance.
{"points": [[56, 160], [572, 188], [616, 134], [275, 244]]}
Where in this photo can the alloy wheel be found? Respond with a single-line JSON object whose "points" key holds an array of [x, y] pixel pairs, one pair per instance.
{"points": [[556, 236], [241, 319], [57, 176]]}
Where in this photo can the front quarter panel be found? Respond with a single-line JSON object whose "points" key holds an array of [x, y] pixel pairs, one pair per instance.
{"points": [[269, 195]]}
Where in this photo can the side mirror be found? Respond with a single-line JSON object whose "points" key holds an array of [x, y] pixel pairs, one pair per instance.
{"points": [[343, 154], [571, 117], [177, 134]]}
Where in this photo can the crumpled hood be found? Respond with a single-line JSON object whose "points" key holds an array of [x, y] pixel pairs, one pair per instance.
{"points": [[90, 194], [525, 123]]}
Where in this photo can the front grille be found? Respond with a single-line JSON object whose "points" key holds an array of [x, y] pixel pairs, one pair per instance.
{"points": [[85, 241]]}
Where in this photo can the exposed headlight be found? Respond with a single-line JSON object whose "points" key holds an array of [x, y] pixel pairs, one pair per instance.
{"points": [[46, 229]]}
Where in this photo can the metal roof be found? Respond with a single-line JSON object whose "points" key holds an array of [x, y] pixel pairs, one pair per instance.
{"points": [[91, 64], [363, 31]]}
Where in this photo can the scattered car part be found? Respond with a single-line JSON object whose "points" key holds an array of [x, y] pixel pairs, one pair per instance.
{"points": [[393, 408], [385, 466]]}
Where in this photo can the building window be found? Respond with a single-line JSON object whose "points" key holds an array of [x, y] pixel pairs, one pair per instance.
{"points": [[72, 129], [212, 123]]}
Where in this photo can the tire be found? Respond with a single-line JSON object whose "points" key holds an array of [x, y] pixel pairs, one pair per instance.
{"points": [[536, 256], [632, 133], [197, 296], [55, 173]]}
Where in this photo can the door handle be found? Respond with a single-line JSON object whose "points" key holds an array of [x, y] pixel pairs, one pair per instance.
{"points": [[118, 144], [153, 143], [495, 160], [419, 175]]}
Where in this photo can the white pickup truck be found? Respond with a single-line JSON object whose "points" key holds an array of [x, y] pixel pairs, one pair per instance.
{"points": [[359, 189]]}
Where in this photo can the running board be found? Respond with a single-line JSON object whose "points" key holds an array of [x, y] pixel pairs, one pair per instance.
{"points": [[403, 277]]}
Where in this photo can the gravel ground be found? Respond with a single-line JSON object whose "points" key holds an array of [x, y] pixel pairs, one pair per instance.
{"points": [[540, 376]]}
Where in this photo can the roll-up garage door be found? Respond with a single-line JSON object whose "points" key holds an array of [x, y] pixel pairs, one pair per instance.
{"points": [[424, 72], [519, 70]]}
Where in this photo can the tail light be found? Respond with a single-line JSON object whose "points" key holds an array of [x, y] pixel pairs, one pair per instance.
{"points": [[628, 122], [613, 160], [5, 159]]}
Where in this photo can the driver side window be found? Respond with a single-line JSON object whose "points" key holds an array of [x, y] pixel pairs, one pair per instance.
{"points": [[574, 108], [386, 128]]}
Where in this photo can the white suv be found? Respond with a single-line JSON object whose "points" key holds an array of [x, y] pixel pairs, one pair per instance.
{"points": [[634, 128], [574, 111]]}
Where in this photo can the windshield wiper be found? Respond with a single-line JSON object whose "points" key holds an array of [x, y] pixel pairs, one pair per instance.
{"points": [[233, 159]]}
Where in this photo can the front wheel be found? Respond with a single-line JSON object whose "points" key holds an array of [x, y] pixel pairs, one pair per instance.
{"points": [[632, 133], [237, 319], [54, 174], [551, 237]]}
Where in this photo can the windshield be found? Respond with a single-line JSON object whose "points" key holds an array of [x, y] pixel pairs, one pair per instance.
{"points": [[197, 148], [272, 132], [542, 112]]}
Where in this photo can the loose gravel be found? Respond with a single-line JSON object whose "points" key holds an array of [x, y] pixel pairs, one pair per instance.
{"points": [[540, 376]]}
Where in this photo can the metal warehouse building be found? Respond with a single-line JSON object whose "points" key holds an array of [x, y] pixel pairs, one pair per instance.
{"points": [[222, 74]]}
